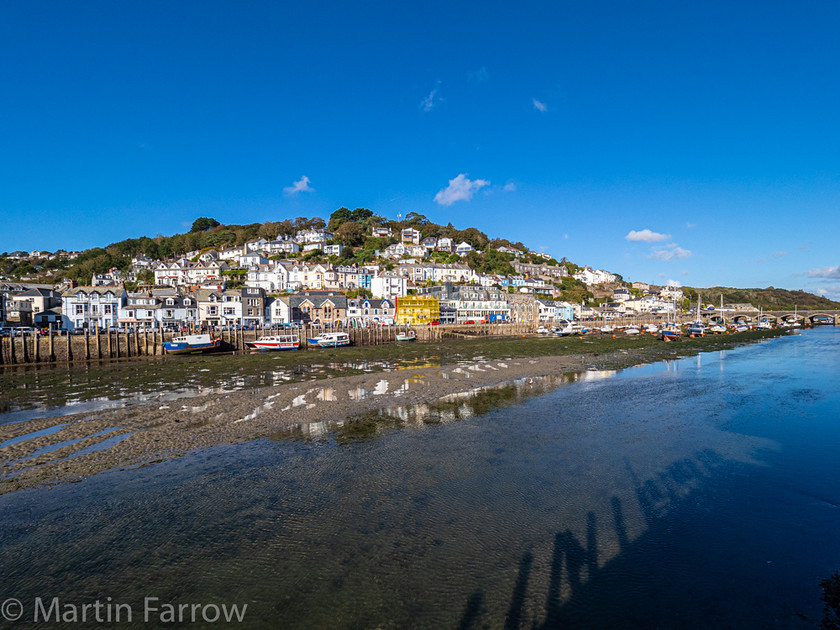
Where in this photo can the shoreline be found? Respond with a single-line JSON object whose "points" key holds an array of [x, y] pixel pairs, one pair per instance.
{"points": [[144, 434]]}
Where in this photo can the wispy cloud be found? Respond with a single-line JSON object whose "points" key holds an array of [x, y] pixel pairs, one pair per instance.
{"points": [[690, 225], [510, 187], [831, 291], [646, 236], [670, 252], [779, 254], [432, 100], [804, 246], [460, 189], [540, 106], [479, 76], [301, 185], [828, 273]]}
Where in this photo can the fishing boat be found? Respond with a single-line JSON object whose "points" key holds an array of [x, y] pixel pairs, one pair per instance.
{"points": [[717, 329], [192, 344], [330, 340], [275, 342], [763, 325], [741, 327], [407, 336]]}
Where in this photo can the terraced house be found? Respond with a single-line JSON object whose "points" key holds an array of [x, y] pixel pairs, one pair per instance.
{"points": [[87, 307], [315, 308]]}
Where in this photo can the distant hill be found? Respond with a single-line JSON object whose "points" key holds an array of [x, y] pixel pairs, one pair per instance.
{"points": [[771, 298]]}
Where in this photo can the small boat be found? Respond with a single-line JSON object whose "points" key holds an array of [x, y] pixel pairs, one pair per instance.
{"points": [[632, 330], [717, 329], [741, 328], [763, 325], [407, 336], [563, 328], [670, 334], [275, 342], [331, 340], [607, 329], [651, 329], [542, 330], [696, 329], [192, 344]]}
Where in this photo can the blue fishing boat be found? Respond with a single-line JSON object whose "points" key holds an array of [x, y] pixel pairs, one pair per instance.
{"points": [[192, 344]]}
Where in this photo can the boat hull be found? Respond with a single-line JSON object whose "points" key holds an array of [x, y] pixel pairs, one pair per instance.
{"points": [[264, 346], [186, 348]]}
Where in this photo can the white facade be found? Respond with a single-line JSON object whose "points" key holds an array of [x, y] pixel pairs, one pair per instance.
{"points": [[388, 285]]}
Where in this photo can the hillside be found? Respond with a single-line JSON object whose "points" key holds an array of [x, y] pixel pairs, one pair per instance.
{"points": [[770, 298]]}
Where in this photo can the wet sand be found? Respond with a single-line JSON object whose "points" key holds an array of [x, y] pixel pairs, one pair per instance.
{"points": [[145, 434]]}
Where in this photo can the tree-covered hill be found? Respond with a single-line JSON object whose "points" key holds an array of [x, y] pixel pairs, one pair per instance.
{"points": [[770, 298]]}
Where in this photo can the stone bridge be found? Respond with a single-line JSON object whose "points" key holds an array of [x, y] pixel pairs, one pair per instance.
{"points": [[803, 317]]}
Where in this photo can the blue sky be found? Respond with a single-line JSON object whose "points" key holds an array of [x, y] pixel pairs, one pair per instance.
{"points": [[660, 140]]}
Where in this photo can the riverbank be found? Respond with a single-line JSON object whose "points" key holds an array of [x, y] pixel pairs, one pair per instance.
{"points": [[64, 448]]}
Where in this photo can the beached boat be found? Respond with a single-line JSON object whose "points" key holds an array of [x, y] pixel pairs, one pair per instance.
{"points": [[275, 342], [406, 336], [330, 340], [632, 330], [542, 330], [192, 344], [696, 329], [563, 328], [670, 334], [717, 329], [763, 325]]}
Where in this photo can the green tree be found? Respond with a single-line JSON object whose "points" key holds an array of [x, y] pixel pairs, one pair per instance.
{"points": [[350, 234], [202, 224], [339, 217]]}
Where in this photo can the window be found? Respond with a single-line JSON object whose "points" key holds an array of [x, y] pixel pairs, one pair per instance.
{"points": [[80, 309], [211, 310], [108, 309]]}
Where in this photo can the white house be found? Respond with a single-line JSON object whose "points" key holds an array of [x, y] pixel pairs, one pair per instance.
{"points": [[463, 248], [389, 285], [88, 307]]}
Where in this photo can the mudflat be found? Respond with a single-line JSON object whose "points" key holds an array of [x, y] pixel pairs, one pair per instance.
{"points": [[64, 448]]}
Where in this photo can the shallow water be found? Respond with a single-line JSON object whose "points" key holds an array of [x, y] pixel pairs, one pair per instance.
{"points": [[695, 493]]}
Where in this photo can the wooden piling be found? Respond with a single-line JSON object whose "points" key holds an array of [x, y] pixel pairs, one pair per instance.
{"points": [[98, 346], [51, 346], [87, 345], [69, 347]]}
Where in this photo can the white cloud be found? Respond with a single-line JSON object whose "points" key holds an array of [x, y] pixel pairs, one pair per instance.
{"points": [[661, 275], [565, 237], [540, 106], [510, 187], [646, 236], [824, 272], [432, 100], [460, 189], [670, 252], [779, 254], [673, 283], [302, 185], [831, 291], [690, 225]]}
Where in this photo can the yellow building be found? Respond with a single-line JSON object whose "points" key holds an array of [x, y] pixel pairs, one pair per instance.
{"points": [[417, 309]]}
